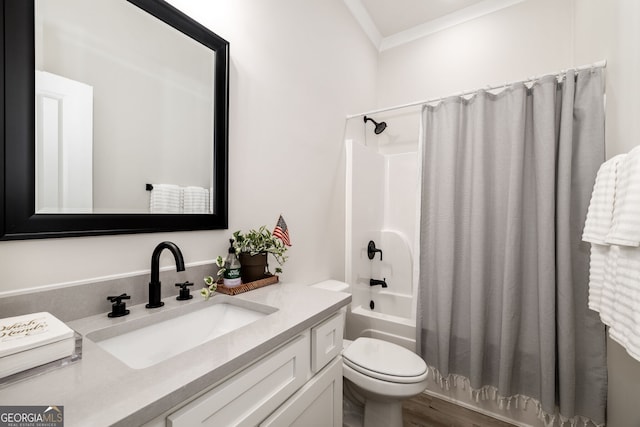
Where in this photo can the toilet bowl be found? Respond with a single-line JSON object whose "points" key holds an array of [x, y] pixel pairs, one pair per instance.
{"points": [[383, 373]]}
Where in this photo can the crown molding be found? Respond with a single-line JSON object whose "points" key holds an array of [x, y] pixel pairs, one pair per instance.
{"points": [[364, 19], [419, 31]]}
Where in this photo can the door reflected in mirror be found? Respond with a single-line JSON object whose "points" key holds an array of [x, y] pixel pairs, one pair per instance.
{"points": [[122, 100]]}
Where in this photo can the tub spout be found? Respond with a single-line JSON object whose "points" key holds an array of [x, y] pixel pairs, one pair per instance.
{"points": [[374, 282]]}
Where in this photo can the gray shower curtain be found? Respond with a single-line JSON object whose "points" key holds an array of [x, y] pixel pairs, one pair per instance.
{"points": [[506, 183]]}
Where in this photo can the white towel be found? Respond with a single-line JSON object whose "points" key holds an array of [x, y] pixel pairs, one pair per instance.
{"points": [[600, 213], [165, 198], [597, 272], [606, 304], [613, 228], [624, 319], [196, 200], [625, 226], [614, 291], [210, 200]]}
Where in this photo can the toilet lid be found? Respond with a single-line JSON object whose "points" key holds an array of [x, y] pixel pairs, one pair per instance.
{"points": [[384, 358]]}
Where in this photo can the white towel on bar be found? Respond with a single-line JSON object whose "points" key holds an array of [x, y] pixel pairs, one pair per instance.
{"points": [[600, 213], [625, 225], [211, 200], [613, 228], [624, 318], [196, 200], [606, 304], [165, 198], [597, 271]]}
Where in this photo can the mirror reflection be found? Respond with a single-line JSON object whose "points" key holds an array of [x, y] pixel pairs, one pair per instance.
{"points": [[124, 119]]}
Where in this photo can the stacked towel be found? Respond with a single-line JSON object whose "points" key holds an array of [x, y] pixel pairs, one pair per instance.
{"points": [[165, 198], [596, 229], [625, 227], [613, 229], [606, 303], [196, 200], [598, 270], [600, 213], [625, 317], [211, 200]]}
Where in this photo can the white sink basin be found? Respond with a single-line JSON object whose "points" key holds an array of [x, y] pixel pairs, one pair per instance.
{"points": [[148, 344]]}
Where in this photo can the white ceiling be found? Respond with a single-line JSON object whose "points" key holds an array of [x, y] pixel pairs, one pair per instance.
{"points": [[395, 16], [392, 23]]}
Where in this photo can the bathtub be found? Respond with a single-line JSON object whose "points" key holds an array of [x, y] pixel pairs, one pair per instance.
{"points": [[384, 313], [362, 321]]}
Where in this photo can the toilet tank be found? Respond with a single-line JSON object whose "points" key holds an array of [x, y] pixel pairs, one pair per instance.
{"points": [[335, 286], [332, 285]]}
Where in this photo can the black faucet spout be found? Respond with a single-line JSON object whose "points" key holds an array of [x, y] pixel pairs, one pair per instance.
{"points": [[155, 299], [374, 282]]}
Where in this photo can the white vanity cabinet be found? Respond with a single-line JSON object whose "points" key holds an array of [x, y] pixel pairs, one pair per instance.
{"points": [[317, 403], [298, 384]]}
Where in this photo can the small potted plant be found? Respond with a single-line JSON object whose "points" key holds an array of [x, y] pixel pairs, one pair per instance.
{"points": [[253, 248], [212, 284]]}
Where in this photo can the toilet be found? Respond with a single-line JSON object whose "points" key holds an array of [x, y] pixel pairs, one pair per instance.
{"points": [[383, 374]]}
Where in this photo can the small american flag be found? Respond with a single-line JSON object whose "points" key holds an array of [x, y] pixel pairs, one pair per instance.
{"points": [[282, 232]]}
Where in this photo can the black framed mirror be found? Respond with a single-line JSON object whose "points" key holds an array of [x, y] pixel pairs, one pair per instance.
{"points": [[19, 174]]}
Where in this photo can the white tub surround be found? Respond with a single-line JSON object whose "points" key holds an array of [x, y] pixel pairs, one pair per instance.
{"points": [[100, 390], [384, 313], [381, 206]]}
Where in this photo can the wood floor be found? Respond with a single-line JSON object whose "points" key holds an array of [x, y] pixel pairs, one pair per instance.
{"points": [[428, 411]]}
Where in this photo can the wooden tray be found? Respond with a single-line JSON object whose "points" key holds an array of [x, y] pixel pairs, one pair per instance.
{"points": [[245, 287]]}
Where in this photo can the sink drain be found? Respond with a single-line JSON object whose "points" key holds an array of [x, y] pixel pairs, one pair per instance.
{"points": [[371, 305]]}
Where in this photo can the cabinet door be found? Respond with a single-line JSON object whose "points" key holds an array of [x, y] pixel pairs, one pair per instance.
{"points": [[326, 341], [251, 395], [318, 403]]}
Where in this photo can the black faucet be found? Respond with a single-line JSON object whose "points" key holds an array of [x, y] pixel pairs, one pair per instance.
{"points": [[154, 284], [374, 282]]}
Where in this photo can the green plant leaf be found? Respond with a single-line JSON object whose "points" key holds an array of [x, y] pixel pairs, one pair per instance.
{"points": [[260, 241]]}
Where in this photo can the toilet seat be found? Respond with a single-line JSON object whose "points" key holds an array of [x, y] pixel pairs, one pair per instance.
{"points": [[385, 361]]}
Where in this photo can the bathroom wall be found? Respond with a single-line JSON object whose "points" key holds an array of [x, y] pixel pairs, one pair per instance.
{"points": [[532, 38], [529, 38], [297, 69], [611, 30]]}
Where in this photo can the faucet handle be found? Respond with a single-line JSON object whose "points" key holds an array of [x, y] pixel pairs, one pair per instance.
{"points": [[118, 308], [184, 291], [118, 299], [371, 250]]}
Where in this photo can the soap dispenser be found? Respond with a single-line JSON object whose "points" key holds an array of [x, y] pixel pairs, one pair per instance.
{"points": [[232, 268]]}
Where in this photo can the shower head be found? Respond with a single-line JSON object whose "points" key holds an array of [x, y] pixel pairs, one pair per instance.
{"points": [[380, 127]]}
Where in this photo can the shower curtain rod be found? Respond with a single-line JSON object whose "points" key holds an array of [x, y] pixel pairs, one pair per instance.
{"points": [[599, 64]]}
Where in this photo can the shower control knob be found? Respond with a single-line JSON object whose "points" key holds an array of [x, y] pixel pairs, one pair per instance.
{"points": [[371, 250]]}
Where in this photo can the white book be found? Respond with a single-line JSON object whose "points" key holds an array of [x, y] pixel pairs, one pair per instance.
{"points": [[32, 340]]}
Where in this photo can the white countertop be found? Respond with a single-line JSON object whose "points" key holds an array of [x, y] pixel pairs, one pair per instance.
{"points": [[100, 390]]}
